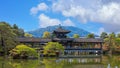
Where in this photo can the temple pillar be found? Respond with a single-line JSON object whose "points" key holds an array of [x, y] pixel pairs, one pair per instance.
{"points": [[32, 45], [101, 47]]}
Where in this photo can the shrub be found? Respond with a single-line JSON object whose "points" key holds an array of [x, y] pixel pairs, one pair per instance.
{"points": [[21, 51], [53, 48]]}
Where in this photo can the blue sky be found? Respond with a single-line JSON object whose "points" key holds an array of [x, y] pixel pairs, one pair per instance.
{"points": [[94, 16]]}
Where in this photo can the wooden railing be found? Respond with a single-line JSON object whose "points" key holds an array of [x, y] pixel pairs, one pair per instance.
{"points": [[83, 49]]}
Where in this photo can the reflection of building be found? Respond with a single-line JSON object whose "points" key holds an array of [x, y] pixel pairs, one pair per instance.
{"points": [[73, 62], [82, 60], [73, 46]]}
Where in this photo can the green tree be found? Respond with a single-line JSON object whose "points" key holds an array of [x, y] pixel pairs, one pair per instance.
{"points": [[15, 26], [110, 41], [113, 42], [7, 37], [18, 31], [90, 36], [22, 51], [117, 42], [46, 34], [52, 47], [76, 36], [118, 35], [112, 35], [28, 35], [103, 35]]}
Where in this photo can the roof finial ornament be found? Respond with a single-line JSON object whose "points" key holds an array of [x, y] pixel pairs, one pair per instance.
{"points": [[60, 26]]}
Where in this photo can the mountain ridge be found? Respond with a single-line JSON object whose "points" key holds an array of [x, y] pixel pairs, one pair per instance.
{"points": [[74, 30]]}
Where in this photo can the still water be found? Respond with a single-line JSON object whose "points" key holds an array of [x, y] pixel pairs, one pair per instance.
{"points": [[96, 62]]}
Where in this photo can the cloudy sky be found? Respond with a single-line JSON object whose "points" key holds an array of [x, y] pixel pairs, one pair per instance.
{"points": [[94, 16]]}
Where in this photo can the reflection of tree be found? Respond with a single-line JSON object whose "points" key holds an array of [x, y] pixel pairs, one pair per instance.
{"points": [[59, 63], [4, 64], [53, 63], [24, 63], [112, 60]]}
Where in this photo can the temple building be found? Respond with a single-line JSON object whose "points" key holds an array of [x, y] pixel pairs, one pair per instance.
{"points": [[73, 46]]}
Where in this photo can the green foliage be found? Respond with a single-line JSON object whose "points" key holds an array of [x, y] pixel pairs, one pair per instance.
{"points": [[0, 48], [106, 40], [112, 35], [103, 35], [113, 42], [117, 41], [23, 50], [7, 36], [52, 47], [15, 26], [76, 36], [46, 35], [90, 36], [118, 35], [28, 35], [18, 31]]}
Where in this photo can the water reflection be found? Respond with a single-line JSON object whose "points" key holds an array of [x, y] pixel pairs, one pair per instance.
{"points": [[110, 66], [98, 62], [72, 62], [80, 60]]}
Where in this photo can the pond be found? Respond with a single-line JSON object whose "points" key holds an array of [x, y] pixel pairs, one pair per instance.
{"points": [[83, 62]]}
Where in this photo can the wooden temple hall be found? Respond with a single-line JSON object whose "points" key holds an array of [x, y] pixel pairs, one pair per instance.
{"points": [[73, 46]]}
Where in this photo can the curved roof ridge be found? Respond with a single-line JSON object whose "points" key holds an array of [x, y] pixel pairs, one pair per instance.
{"points": [[60, 29]]}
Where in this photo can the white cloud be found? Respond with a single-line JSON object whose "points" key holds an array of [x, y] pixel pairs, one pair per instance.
{"points": [[68, 22], [101, 30], [109, 14], [105, 12], [45, 21], [39, 7]]}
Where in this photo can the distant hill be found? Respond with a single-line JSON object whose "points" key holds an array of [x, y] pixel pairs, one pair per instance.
{"points": [[74, 30]]}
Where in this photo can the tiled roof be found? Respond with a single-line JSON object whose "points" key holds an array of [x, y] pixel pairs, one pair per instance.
{"points": [[61, 39], [88, 40], [60, 29], [33, 40]]}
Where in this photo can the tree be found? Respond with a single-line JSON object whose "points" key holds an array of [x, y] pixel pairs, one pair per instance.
{"points": [[7, 37], [46, 34], [103, 35], [52, 48], [110, 41], [118, 35], [21, 51], [15, 26], [18, 31], [76, 36], [28, 35], [117, 42], [112, 35], [113, 42], [90, 36]]}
